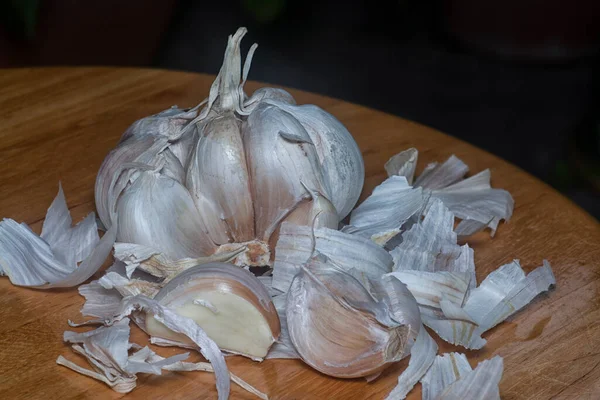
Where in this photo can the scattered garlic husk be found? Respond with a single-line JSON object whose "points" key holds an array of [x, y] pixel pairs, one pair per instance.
{"points": [[445, 370], [100, 302], [179, 324], [339, 328], [422, 356], [234, 170], [472, 200], [506, 291], [227, 302], [403, 164], [283, 347], [431, 245], [441, 276], [51, 261], [355, 254], [103, 297], [383, 213], [452, 378], [106, 350], [152, 261]]}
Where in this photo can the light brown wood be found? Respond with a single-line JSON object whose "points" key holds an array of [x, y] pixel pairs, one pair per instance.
{"points": [[58, 124]]}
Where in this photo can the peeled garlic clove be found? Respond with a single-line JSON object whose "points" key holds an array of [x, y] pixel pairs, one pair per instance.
{"points": [[339, 155], [227, 302], [217, 175], [337, 327], [157, 211]]}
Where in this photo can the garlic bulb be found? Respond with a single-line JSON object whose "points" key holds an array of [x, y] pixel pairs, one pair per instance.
{"points": [[344, 330], [227, 302], [194, 182]]}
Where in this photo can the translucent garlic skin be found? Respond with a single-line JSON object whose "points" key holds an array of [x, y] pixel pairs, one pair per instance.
{"points": [[246, 163]]}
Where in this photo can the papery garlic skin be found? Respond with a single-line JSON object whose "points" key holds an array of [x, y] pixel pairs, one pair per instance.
{"points": [[247, 163], [227, 302]]}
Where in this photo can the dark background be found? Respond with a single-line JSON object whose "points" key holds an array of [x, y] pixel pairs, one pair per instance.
{"points": [[518, 78]]}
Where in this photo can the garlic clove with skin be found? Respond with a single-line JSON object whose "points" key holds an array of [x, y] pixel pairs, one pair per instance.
{"points": [[339, 328], [217, 175], [158, 212], [283, 162], [338, 154], [227, 302]]}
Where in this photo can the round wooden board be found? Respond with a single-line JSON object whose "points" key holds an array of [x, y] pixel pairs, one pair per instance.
{"points": [[57, 124]]}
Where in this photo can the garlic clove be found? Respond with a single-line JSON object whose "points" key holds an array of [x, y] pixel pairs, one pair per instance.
{"points": [[337, 327], [402, 305], [343, 180], [157, 211], [228, 302], [282, 161], [128, 151], [120, 169], [218, 175]]}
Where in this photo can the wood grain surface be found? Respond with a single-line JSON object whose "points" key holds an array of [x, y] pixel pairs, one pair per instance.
{"points": [[57, 124]]}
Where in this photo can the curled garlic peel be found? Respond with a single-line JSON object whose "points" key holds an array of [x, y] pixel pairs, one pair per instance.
{"points": [[231, 172], [227, 302]]}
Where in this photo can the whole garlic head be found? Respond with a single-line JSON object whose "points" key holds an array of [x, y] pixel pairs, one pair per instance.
{"points": [[192, 182]]}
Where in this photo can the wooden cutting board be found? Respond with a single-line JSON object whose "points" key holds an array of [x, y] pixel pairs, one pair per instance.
{"points": [[57, 124]]}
